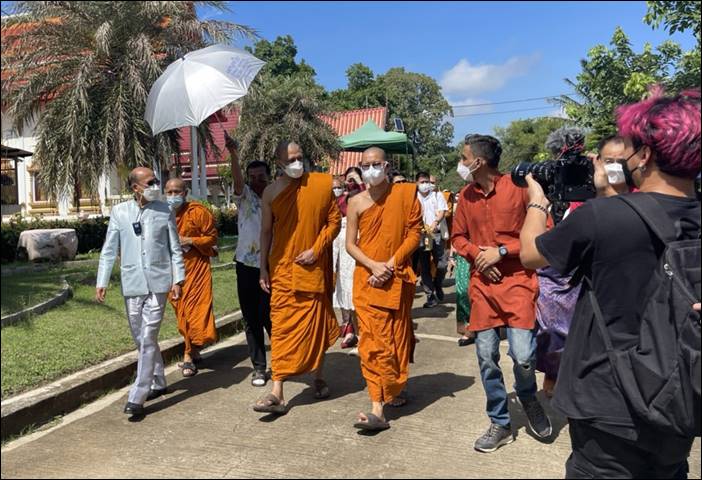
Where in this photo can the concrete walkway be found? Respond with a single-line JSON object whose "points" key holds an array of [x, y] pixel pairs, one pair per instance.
{"points": [[205, 427]]}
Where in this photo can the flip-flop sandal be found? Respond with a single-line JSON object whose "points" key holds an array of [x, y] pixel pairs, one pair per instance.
{"points": [[398, 401], [374, 423], [270, 404], [321, 389], [188, 366]]}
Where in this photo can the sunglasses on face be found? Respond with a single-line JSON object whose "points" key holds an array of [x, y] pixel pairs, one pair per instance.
{"points": [[152, 182]]}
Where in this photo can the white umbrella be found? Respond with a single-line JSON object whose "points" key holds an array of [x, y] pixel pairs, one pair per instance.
{"points": [[195, 86]]}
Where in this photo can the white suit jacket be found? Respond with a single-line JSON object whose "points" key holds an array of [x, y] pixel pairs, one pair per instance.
{"points": [[151, 262]]}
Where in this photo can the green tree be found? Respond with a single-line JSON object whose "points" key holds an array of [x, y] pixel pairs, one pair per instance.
{"points": [[413, 97], [285, 103], [84, 69], [279, 56], [617, 75], [676, 16], [285, 107], [524, 140]]}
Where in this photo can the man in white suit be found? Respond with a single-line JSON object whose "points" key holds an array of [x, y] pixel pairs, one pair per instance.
{"points": [[143, 231]]}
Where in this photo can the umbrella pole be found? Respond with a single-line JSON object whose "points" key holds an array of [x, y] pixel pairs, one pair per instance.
{"points": [[195, 184]]}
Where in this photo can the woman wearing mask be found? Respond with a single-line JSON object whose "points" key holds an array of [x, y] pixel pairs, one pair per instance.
{"points": [[344, 188]]}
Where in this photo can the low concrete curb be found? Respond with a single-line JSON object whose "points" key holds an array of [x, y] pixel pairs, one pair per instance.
{"points": [[60, 298], [41, 405]]}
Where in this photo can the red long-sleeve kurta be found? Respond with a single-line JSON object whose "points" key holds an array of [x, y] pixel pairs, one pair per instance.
{"points": [[492, 220]]}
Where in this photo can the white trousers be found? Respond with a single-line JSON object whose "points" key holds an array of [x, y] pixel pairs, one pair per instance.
{"points": [[145, 313]]}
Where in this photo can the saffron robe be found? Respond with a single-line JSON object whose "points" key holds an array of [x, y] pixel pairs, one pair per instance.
{"points": [[305, 215], [194, 311], [390, 227]]}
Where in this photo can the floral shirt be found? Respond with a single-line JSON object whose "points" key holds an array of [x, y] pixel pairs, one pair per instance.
{"points": [[248, 249]]}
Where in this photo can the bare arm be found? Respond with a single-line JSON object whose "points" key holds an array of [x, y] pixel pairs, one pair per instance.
{"points": [[237, 174], [534, 225]]}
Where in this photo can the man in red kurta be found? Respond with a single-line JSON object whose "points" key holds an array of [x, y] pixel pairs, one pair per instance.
{"points": [[502, 293]]}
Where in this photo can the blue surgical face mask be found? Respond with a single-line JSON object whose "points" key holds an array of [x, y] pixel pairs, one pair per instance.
{"points": [[175, 201]]}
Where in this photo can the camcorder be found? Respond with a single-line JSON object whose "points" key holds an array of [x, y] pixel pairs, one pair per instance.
{"points": [[569, 178]]}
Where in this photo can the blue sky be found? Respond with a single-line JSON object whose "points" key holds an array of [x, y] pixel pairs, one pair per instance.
{"points": [[479, 52]]}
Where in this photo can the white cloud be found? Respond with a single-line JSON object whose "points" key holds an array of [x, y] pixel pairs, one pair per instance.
{"points": [[467, 80]]}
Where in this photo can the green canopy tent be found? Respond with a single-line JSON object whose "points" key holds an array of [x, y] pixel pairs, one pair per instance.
{"points": [[371, 135]]}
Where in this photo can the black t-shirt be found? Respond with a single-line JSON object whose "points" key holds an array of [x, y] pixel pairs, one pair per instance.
{"points": [[612, 245]]}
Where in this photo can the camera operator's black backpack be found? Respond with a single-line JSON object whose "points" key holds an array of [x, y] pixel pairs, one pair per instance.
{"points": [[660, 376]]}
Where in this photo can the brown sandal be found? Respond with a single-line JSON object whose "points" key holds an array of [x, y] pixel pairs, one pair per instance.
{"points": [[270, 404]]}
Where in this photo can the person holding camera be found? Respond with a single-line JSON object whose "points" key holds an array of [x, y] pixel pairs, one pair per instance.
{"points": [[490, 213], [607, 375], [143, 232]]}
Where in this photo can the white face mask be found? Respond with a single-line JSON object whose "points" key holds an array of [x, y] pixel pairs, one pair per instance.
{"points": [[338, 191], [175, 201], [424, 187], [152, 193], [295, 169], [615, 173], [374, 176], [464, 172]]}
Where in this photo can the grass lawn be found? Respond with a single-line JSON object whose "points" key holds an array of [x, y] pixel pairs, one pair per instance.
{"points": [[81, 332]]}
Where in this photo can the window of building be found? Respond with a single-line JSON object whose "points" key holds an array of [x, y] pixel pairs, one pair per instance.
{"points": [[8, 181], [39, 190]]}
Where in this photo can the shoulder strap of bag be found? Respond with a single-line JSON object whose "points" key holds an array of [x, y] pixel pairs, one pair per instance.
{"points": [[652, 214]]}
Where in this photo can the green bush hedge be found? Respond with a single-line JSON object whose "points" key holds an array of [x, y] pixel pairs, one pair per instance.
{"points": [[90, 233]]}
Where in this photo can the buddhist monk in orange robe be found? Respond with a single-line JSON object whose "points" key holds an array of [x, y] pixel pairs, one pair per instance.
{"points": [[198, 238], [383, 229], [300, 219]]}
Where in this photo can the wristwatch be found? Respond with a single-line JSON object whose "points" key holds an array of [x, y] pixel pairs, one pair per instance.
{"points": [[503, 251]]}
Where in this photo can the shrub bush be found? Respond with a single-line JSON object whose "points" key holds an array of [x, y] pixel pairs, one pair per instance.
{"points": [[90, 232]]}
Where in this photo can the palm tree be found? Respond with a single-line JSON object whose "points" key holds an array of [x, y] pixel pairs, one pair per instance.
{"points": [[285, 107], [87, 68]]}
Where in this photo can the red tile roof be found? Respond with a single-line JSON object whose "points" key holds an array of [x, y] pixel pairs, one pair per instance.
{"points": [[346, 122]]}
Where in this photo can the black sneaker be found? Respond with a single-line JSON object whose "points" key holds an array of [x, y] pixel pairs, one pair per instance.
{"points": [[494, 438], [431, 302], [258, 379], [538, 421]]}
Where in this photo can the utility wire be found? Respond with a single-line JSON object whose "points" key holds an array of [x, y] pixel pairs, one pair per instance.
{"points": [[467, 105], [503, 111]]}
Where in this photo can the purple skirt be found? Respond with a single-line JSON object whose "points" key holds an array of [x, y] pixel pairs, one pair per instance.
{"points": [[554, 312]]}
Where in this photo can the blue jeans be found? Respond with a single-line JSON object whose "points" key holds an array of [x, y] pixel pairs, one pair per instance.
{"points": [[522, 349]]}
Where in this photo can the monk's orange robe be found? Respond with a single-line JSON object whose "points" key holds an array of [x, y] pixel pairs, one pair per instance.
{"points": [[196, 321], [391, 227], [305, 215]]}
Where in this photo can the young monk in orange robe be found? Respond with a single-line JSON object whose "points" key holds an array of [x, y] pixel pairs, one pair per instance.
{"points": [[300, 219], [198, 238], [383, 229]]}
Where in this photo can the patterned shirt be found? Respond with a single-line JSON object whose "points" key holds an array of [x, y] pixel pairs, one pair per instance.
{"points": [[248, 249]]}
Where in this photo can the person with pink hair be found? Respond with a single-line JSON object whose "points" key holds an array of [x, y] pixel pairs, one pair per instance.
{"points": [[618, 253]]}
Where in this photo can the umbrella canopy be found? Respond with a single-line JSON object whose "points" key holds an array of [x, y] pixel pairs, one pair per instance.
{"points": [[198, 84], [371, 135]]}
